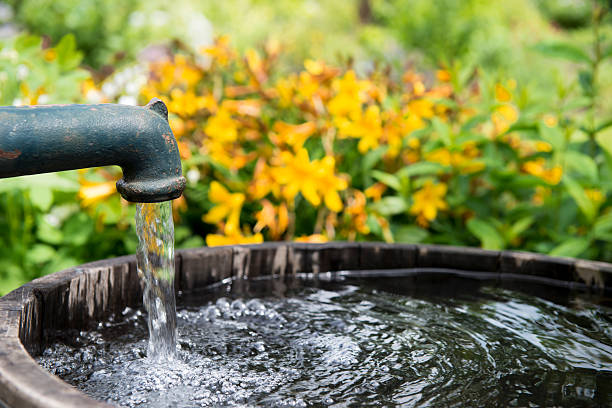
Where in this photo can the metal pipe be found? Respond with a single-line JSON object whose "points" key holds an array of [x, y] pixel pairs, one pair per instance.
{"points": [[42, 139]]}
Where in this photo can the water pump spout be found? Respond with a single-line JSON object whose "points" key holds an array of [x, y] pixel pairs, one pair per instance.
{"points": [[42, 139]]}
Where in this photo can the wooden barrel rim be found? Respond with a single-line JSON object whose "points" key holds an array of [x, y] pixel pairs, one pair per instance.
{"points": [[76, 296]]}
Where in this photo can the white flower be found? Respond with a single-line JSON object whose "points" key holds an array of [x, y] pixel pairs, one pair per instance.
{"points": [[193, 175], [22, 72], [127, 100]]}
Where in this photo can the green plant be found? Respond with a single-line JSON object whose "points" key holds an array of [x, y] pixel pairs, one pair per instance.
{"points": [[31, 75]]}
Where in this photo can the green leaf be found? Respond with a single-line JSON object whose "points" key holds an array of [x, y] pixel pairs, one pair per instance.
{"points": [[388, 179], [605, 141], [372, 157], [553, 136], [420, 169], [572, 247], [42, 198], [77, 229], [68, 57], [486, 233], [195, 241], [585, 79], [582, 201], [603, 126], [48, 233], [55, 181], [603, 225], [564, 51], [443, 131], [40, 253], [519, 227], [607, 53], [582, 164], [474, 121], [410, 234], [390, 205]]}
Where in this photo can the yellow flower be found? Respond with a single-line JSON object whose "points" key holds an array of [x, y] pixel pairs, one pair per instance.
{"points": [[185, 103], [91, 192], [222, 127], [275, 218], [295, 174], [541, 193], [292, 135], [312, 239], [328, 184], [595, 195], [50, 54], [375, 191], [367, 128], [221, 51], [538, 168], [307, 86], [542, 146], [443, 75], [314, 67], [502, 94], [228, 154], [247, 107], [263, 181], [351, 93], [233, 239], [228, 207], [550, 120], [553, 176], [314, 180], [285, 87], [356, 208], [427, 201], [502, 117], [422, 108], [255, 67]]}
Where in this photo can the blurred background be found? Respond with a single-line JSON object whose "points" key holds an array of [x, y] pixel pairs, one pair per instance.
{"points": [[465, 122]]}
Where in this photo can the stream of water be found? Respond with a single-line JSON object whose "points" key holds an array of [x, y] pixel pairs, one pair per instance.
{"points": [[155, 256]]}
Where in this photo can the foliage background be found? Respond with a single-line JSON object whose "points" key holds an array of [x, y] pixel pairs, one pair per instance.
{"points": [[477, 122]]}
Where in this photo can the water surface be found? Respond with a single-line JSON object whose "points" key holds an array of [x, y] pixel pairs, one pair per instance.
{"points": [[366, 342]]}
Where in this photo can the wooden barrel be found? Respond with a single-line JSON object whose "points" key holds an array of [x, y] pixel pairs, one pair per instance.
{"points": [[75, 297]]}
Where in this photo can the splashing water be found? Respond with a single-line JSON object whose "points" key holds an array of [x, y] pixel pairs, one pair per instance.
{"points": [[156, 267], [383, 342]]}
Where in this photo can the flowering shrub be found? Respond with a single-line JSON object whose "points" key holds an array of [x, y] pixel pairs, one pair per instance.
{"points": [[327, 154]]}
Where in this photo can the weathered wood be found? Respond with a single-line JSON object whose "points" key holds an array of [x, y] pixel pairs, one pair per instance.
{"points": [[450, 257], [527, 263], [377, 255], [202, 266]]}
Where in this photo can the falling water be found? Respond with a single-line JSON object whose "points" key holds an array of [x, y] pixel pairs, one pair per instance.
{"points": [[156, 267]]}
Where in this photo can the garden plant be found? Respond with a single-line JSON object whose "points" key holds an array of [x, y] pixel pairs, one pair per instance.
{"points": [[398, 152]]}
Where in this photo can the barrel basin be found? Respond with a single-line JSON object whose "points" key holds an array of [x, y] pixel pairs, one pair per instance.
{"points": [[78, 297]]}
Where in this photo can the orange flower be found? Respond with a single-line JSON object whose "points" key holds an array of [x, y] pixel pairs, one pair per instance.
{"points": [[312, 239], [233, 239], [91, 192], [538, 168], [292, 135], [275, 218]]}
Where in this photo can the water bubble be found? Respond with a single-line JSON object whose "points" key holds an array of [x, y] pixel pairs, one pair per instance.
{"points": [[238, 307], [212, 313]]}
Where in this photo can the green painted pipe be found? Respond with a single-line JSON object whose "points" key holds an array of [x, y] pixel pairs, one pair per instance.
{"points": [[42, 139]]}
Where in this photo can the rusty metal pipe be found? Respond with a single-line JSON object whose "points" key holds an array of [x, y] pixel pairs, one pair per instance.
{"points": [[42, 139]]}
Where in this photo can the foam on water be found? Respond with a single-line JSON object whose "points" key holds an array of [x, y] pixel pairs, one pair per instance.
{"points": [[353, 345]]}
